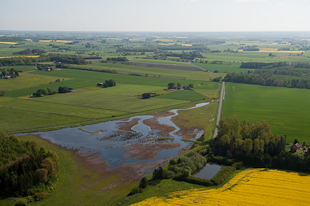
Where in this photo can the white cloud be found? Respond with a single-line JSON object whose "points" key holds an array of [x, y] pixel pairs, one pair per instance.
{"points": [[245, 1]]}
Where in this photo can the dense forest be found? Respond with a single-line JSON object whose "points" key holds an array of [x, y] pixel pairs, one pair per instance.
{"points": [[25, 169], [254, 144]]}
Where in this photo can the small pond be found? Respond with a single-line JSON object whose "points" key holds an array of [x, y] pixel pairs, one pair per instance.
{"points": [[208, 171]]}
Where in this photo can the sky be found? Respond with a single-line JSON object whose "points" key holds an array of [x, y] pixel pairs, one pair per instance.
{"points": [[155, 15]]}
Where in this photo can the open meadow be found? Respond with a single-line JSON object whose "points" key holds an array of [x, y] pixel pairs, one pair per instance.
{"points": [[89, 103], [285, 109]]}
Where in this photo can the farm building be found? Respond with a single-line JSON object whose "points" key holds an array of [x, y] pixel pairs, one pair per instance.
{"points": [[296, 147]]}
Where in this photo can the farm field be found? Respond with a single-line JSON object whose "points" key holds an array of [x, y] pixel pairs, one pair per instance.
{"points": [[249, 187], [189, 75], [285, 109], [26, 80], [221, 68], [126, 98], [87, 104]]}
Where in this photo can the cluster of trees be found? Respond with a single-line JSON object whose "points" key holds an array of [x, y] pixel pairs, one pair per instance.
{"points": [[11, 149], [110, 83], [45, 91], [64, 89], [262, 65], [250, 48], [146, 95], [282, 77], [118, 59], [187, 164], [185, 55], [67, 59], [29, 51], [22, 61], [33, 173], [254, 144], [172, 85], [12, 71]]}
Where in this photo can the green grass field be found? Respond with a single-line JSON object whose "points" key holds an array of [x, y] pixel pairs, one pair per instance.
{"points": [[87, 104], [286, 109], [125, 98], [186, 95], [221, 68]]}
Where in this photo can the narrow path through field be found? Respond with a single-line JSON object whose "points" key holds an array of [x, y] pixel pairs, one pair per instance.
{"points": [[219, 111], [221, 101], [205, 70]]}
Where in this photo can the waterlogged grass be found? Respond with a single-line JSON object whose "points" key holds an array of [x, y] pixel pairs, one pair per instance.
{"points": [[250, 187], [16, 120], [286, 109], [201, 118]]}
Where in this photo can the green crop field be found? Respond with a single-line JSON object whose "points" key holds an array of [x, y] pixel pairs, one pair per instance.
{"points": [[151, 71], [87, 103], [124, 98], [221, 68], [26, 80], [184, 95], [286, 109]]}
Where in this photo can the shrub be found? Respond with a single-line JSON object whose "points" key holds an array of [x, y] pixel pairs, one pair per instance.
{"points": [[21, 202], [238, 165], [154, 182], [168, 174], [222, 175], [193, 180], [40, 196], [222, 160], [143, 183], [135, 191]]}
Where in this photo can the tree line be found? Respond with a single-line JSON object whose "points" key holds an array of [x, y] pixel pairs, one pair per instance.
{"points": [[28, 51], [121, 59], [67, 59], [282, 77], [172, 85]]}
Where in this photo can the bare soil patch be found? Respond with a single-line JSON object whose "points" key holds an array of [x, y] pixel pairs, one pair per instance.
{"points": [[128, 125], [144, 152], [154, 124]]}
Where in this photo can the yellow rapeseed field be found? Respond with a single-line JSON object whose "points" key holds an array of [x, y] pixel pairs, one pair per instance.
{"points": [[63, 41], [187, 45], [19, 57], [6, 42], [250, 187]]}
